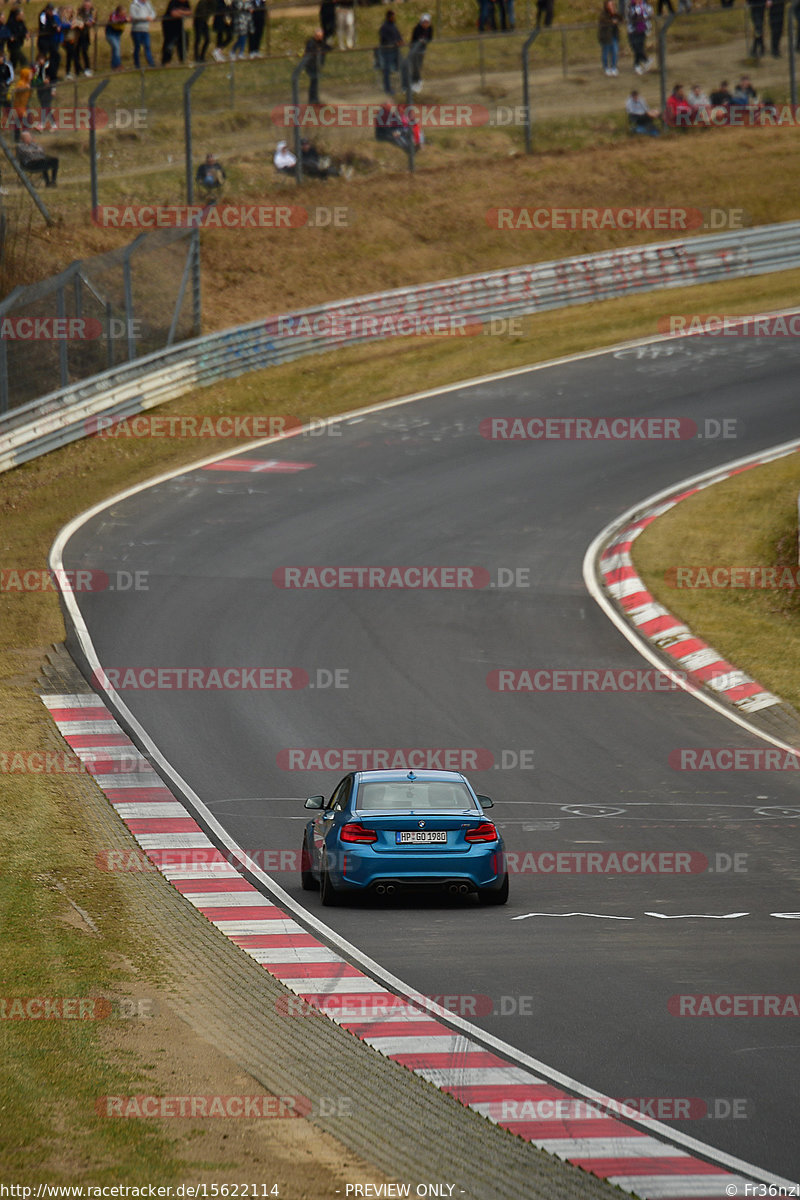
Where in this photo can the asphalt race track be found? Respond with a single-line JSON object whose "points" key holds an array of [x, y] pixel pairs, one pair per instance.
{"points": [[419, 485]]}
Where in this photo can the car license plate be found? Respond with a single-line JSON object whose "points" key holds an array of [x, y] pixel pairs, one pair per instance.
{"points": [[418, 837]]}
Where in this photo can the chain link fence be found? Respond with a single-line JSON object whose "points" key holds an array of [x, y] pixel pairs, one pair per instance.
{"points": [[98, 313]]}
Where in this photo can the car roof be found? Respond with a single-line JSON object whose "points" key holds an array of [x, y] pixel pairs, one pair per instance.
{"points": [[406, 776]]}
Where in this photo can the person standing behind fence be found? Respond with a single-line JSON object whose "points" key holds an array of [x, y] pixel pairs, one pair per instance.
{"points": [[47, 35], [203, 14], [757, 17], [486, 16], [115, 27], [6, 80], [314, 54], [258, 15], [17, 33], [345, 24], [421, 37], [242, 27], [20, 98], [327, 18], [639, 17], [776, 10], [172, 30], [608, 37], [390, 40], [223, 29], [85, 19], [42, 83], [141, 14]]}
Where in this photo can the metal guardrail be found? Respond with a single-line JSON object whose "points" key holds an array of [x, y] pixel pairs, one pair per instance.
{"points": [[67, 415]]}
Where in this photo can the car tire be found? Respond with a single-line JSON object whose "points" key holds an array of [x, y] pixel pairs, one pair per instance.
{"points": [[327, 892], [494, 895], [308, 881]]}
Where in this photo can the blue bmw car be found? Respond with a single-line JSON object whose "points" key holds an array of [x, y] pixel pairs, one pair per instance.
{"points": [[384, 831]]}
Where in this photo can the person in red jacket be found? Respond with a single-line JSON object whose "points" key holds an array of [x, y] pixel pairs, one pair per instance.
{"points": [[679, 111]]}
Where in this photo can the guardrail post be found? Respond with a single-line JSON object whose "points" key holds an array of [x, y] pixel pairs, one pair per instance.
{"points": [[4, 400], [662, 56], [63, 363], [526, 96], [197, 303], [187, 129], [93, 140], [128, 285]]}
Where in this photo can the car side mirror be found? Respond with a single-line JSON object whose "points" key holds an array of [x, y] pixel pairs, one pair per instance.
{"points": [[485, 802], [315, 802]]}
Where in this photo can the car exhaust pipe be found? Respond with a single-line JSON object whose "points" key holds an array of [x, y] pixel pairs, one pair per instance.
{"points": [[390, 889], [453, 889], [380, 889], [463, 889]]}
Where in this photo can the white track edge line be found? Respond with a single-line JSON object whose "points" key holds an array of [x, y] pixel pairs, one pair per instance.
{"points": [[674, 1137]]}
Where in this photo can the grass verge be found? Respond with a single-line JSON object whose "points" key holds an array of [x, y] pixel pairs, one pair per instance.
{"points": [[747, 521]]}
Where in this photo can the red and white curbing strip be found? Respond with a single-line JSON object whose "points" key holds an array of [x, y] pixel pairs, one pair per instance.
{"points": [[700, 663], [599, 1143], [258, 466]]}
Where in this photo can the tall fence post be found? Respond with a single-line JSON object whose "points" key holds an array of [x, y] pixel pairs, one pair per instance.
{"points": [[127, 279], [93, 140], [197, 305], [526, 90], [63, 362], [407, 69], [662, 56], [187, 129], [296, 73]]}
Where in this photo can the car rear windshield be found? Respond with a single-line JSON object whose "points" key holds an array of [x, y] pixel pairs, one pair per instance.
{"points": [[434, 796]]}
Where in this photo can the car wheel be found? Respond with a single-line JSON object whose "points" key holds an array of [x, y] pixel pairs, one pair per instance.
{"points": [[327, 892], [307, 880], [494, 896]]}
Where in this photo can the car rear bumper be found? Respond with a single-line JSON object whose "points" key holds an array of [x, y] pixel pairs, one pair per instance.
{"points": [[479, 868]]}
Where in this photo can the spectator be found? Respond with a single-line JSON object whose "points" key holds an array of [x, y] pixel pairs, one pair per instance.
{"points": [[776, 10], [345, 24], [390, 40], [20, 98], [744, 94], [42, 84], [757, 17], [679, 112], [6, 80], [210, 177], [48, 30], [34, 161], [86, 19], [721, 98], [544, 12], [641, 119], [69, 40], [639, 18], [115, 27], [172, 30], [608, 37], [258, 15], [142, 14], [500, 11], [242, 28], [327, 18], [223, 28], [315, 51], [510, 17], [203, 13], [314, 164], [421, 37], [283, 159], [698, 99], [17, 33], [393, 124], [486, 16]]}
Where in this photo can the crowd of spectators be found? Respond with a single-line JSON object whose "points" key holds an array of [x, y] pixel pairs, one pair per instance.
{"points": [[699, 109]]}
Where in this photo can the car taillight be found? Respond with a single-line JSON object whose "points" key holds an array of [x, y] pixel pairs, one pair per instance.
{"points": [[357, 833], [485, 832]]}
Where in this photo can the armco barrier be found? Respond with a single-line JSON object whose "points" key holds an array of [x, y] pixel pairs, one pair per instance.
{"points": [[64, 416]]}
